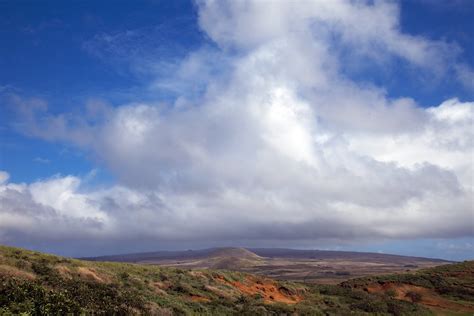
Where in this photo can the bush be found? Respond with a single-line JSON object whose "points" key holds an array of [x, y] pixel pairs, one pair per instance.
{"points": [[399, 308], [371, 306], [391, 293], [124, 276], [70, 297], [18, 296], [41, 268]]}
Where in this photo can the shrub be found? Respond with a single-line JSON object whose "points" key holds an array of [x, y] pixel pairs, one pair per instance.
{"points": [[371, 306], [399, 308], [124, 276], [41, 268], [69, 297], [391, 293]]}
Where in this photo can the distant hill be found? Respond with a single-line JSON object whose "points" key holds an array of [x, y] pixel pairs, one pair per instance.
{"points": [[158, 256], [155, 255], [231, 252], [231, 259], [341, 255], [321, 266], [34, 283]]}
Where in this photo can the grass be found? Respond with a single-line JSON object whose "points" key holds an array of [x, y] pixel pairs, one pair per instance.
{"points": [[453, 281], [34, 283]]}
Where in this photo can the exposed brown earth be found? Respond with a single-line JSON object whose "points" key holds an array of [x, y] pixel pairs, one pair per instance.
{"points": [[269, 290], [266, 288]]}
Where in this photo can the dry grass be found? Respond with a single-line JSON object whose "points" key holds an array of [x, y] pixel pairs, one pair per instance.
{"points": [[15, 272]]}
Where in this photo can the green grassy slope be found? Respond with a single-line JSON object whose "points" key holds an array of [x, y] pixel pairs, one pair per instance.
{"points": [[447, 289], [39, 284]]}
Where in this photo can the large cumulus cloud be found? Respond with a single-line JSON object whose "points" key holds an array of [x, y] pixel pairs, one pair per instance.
{"points": [[279, 146]]}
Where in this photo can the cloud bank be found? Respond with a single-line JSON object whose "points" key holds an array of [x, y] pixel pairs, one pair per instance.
{"points": [[280, 144]]}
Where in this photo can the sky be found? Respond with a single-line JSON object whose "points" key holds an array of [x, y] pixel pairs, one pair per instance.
{"points": [[130, 126]]}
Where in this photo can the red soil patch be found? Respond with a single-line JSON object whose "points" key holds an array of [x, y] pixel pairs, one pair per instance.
{"points": [[268, 289], [429, 297]]}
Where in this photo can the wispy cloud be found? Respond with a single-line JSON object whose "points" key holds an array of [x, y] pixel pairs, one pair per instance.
{"points": [[465, 75], [41, 160], [144, 50]]}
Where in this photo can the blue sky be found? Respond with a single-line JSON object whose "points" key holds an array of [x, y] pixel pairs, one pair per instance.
{"points": [[136, 102], [47, 57]]}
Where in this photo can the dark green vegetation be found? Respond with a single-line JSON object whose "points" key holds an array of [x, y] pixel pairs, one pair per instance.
{"points": [[452, 281], [442, 288], [39, 284]]}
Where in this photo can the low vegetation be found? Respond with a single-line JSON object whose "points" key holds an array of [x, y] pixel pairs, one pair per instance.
{"points": [[443, 288], [33, 283]]}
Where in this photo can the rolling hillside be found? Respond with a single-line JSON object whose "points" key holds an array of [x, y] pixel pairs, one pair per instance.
{"points": [[320, 266], [442, 289], [41, 284], [270, 253]]}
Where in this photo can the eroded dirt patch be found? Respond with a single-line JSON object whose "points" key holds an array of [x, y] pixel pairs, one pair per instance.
{"points": [[270, 291]]}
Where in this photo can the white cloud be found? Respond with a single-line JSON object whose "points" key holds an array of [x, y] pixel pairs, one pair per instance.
{"points": [[4, 176], [371, 29], [445, 141], [48, 208], [281, 147]]}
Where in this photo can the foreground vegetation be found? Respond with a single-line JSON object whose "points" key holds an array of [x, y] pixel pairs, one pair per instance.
{"points": [[453, 281], [38, 284]]}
